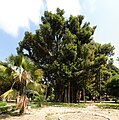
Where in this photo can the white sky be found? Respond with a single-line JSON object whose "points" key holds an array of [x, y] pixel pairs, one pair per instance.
{"points": [[72, 7], [17, 13]]}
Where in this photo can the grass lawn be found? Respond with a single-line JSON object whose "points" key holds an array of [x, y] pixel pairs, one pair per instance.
{"points": [[59, 104], [108, 105]]}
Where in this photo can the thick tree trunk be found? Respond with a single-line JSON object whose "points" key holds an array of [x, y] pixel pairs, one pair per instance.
{"points": [[68, 92], [61, 96], [72, 94], [99, 85], [23, 98], [78, 96], [21, 103], [65, 95], [84, 94]]}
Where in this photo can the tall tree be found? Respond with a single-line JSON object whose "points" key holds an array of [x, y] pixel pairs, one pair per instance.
{"points": [[102, 74], [113, 86], [65, 50]]}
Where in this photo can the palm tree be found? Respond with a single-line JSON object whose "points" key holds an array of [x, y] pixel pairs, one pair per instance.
{"points": [[22, 78]]}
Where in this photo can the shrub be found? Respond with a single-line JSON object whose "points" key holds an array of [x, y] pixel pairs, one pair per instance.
{"points": [[39, 100], [3, 103]]}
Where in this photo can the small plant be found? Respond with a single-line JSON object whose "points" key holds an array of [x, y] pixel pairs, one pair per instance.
{"points": [[51, 97], [3, 103], [39, 99], [4, 108]]}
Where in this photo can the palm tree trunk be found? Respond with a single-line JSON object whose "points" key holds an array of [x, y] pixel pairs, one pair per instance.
{"points": [[24, 101]]}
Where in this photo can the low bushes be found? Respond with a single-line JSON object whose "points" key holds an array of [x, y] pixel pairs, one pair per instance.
{"points": [[2, 103], [4, 107]]}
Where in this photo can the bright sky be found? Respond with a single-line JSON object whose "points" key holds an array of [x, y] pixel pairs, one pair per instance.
{"points": [[18, 16]]}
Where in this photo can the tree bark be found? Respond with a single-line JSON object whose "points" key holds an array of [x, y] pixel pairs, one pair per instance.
{"points": [[68, 92], [84, 94], [65, 95]]}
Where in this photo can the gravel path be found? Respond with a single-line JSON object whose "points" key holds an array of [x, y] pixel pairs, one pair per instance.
{"points": [[66, 113]]}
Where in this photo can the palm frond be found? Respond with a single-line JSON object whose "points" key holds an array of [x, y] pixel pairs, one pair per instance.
{"points": [[2, 68], [9, 94], [38, 74], [36, 87]]}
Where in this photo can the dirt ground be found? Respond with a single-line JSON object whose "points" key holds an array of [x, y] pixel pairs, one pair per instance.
{"points": [[91, 112]]}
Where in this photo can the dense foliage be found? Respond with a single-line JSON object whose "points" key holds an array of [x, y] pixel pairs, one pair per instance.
{"points": [[63, 50], [74, 65], [113, 86], [23, 78]]}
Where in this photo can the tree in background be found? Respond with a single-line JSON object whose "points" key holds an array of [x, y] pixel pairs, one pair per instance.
{"points": [[69, 57], [113, 86]]}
